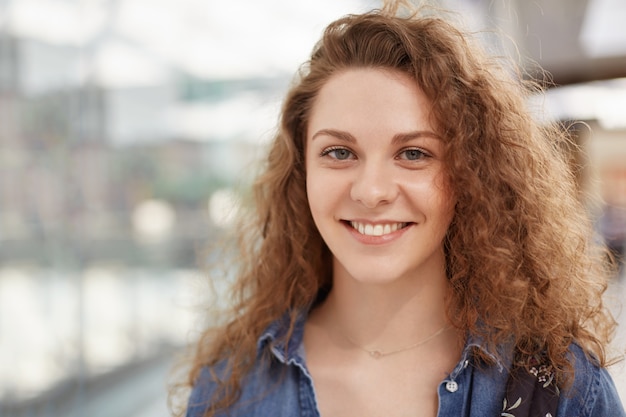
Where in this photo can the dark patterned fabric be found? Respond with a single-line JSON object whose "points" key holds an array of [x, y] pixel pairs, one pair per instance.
{"points": [[531, 390]]}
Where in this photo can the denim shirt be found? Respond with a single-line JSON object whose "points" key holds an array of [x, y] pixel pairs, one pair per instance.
{"points": [[283, 385]]}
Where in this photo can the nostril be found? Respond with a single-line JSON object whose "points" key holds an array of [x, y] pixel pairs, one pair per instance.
{"points": [[372, 192]]}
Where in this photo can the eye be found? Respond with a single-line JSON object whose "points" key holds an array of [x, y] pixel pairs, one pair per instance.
{"points": [[338, 153], [413, 154]]}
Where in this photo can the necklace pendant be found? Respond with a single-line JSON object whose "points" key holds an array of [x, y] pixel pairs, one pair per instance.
{"points": [[375, 354]]}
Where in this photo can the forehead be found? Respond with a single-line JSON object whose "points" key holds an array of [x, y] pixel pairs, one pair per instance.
{"points": [[371, 100]]}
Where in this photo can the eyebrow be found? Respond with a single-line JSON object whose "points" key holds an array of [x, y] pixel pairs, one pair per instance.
{"points": [[398, 138]]}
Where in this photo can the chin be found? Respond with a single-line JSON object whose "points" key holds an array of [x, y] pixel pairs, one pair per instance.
{"points": [[373, 275]]}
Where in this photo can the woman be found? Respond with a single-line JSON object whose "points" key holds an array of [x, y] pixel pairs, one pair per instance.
{"points": [[417, 246]]}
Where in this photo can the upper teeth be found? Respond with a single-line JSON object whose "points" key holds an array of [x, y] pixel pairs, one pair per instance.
{"points": [[377, 229]]}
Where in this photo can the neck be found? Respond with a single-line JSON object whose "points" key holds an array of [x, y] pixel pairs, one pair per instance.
{"points": [[385, 316]]}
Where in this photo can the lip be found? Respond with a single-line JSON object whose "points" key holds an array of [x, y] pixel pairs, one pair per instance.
{"points": [[377, 240]]}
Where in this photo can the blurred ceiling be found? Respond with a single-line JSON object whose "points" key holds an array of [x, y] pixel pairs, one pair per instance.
{"points": [[207, 39], [574, 40]]}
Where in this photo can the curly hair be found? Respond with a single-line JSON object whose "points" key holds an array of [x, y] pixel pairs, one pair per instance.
{"points": [[520, 259]]}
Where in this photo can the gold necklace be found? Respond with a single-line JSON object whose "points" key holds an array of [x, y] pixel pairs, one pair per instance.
{"points": [[377, 354]]}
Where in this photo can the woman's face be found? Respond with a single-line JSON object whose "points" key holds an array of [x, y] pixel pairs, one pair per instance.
{"points": [[375, 177]]}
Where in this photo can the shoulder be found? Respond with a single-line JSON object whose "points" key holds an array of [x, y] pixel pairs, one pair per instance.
{"points": [[275, 383], [267, 389], [592, 393], [204, 389]]}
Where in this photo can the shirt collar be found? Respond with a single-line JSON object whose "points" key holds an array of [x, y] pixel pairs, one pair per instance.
{"points": [[285, 350], [292, 350], [502, 360]]}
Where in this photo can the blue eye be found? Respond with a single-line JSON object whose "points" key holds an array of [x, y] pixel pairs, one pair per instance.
{"points": [[340, 154], [412, 154]]}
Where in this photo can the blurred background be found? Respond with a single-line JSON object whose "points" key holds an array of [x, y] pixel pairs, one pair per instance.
{"points": [[126, 126]]}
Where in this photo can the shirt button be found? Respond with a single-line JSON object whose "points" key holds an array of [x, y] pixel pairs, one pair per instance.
{"points": [[452, 386], [465, 364]]}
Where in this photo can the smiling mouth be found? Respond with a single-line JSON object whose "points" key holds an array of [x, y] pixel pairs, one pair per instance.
{"points": [[368, 229]]}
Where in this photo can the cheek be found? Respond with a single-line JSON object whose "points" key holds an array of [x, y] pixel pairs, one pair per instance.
{"points": [[434, 197], [314, 191], [317, 207], [326, 194], [317, 189]]}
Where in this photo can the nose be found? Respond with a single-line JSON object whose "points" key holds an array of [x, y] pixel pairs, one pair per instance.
{"points": [[374, 185]]}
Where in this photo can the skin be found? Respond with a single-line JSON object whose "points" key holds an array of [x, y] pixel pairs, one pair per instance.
{"points": [[377, 192]]}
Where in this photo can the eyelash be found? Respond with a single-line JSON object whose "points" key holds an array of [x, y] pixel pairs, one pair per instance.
{"points": [[331, 149], [422, 153]]}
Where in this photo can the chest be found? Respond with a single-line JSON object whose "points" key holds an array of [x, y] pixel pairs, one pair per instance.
{"points": [[289, 391], [379, 388], [373, 398]]}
